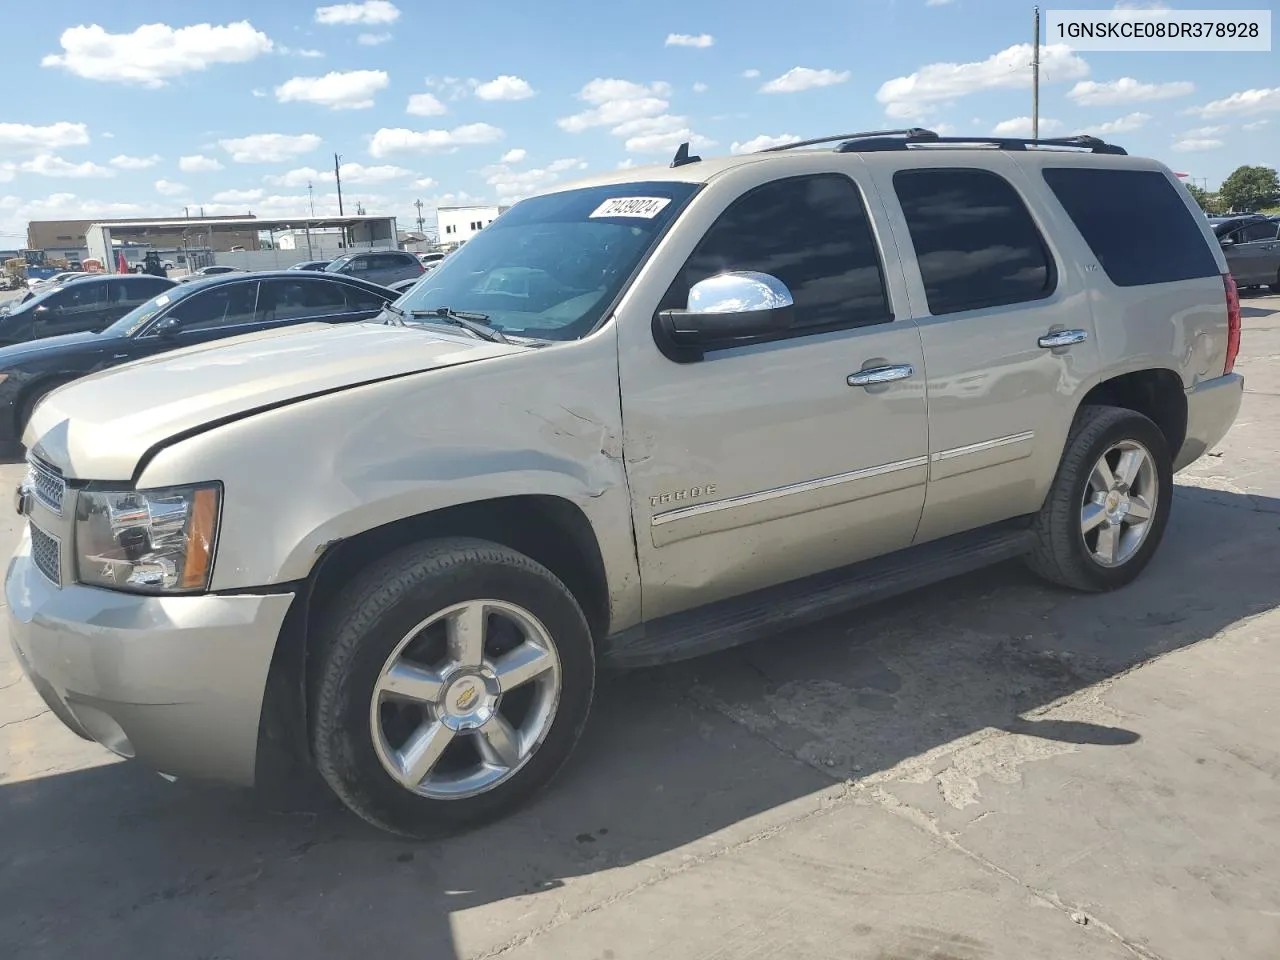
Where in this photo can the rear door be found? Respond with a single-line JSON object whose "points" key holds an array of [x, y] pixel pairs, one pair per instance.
{"points": [[310, 299], [1007, 333]]}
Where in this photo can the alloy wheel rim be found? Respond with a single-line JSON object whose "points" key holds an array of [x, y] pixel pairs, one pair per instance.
{"points": [[1119, 504], [465, 699]]}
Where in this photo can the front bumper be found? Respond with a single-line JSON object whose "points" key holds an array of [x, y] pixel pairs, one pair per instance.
{"points": [[1212, 406], [176, 682]]}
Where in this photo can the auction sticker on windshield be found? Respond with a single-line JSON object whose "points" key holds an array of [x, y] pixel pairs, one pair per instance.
{"points": [[645, 208]]}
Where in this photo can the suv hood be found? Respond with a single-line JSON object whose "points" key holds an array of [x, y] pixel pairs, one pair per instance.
{"points": [[100, 427]]}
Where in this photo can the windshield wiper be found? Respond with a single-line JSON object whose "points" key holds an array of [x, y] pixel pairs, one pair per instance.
{"points": [[475, 323]]}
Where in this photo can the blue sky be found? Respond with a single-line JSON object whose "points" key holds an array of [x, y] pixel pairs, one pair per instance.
{"points": [[144, 109]]}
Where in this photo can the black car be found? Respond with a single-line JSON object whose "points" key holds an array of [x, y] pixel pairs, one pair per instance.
{"points": [[86, 303], [1251, 244], [182, 316]]}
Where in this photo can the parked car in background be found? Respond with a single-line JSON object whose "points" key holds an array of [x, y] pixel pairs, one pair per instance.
{"points": [[310, 265], [431, 257], [213, 270], [36, 283], [401, 286], [380, 266], [1251, 245], [83, 303], [180, 316]]}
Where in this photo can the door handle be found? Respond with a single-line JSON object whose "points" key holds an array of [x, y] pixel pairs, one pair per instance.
{"points": [[875, 375], [1063, 338]]}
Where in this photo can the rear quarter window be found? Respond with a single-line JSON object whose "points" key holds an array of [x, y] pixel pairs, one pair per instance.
{"points": [[1136, 224]]}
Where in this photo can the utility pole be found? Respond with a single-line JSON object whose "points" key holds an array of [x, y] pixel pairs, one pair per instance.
{"points": [[421, 221], [311, 199], [337, 175], [1035, 81]]}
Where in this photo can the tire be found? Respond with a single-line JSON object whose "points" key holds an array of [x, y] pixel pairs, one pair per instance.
{"points": [[1066, 555], [373, 624]]}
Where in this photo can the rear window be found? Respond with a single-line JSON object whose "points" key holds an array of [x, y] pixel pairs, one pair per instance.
{"points": [[1107, 207]]}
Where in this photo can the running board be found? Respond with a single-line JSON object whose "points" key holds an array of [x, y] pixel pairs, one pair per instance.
{"points": [[764, 613]]}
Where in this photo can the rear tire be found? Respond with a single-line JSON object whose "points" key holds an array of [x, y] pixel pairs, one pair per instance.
{"points": [[1109, 504], [453, 681]]}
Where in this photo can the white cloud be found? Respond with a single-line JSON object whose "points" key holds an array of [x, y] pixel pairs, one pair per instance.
{"points": [[269, 147], [699, 88], [7, 172], [155, 52], [943, 129], [300, 177], [701, 40], [1125, 124], [1140, 5], [351, 173], [1201, 132], [762, 142], [169, 188], [369, 12], [1256, 125], [259, 93], [352, 90], [504, 88], [937, 3], [15, 212], [750, 74], [1245, 102], [1093, 93], [515, 155], [198, 164], [804, 78], [425, 105], [660, 134], [626, 164], [392, 140], [426, 183], [108, 136], [296, 52], [512, 185], [617, 102], [238, 196], [125, 162], [911, 96], [1196, 144], [48, 165], [25, 138], [372, 39], [1021, 127]]}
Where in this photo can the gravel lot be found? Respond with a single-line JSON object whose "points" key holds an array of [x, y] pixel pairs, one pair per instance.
{"points": [[987, 769]]}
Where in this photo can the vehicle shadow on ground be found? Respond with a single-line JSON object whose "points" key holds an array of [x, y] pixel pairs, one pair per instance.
{"points": [[112, 862]]}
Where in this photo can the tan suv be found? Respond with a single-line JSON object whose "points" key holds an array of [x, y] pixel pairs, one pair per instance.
{"points": [[639, 418]]}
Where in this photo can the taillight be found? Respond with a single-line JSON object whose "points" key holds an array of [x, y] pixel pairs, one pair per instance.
{"points": [[1233, 321], [421, 267]]}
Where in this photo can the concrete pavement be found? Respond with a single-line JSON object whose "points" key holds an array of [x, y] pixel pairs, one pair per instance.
{"points": [[986, 769]]}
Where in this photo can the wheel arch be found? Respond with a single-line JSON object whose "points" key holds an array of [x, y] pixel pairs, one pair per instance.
{"points": [[1156, 393], [549, 529]]}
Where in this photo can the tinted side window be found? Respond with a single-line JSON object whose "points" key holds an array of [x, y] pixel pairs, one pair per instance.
{"points": [[359, 299], [293, 299], [129, 292], [358, 265], [812, 233], [1105, 205], [78, 298], [224, 306], [975, 242], [1254, 232]]}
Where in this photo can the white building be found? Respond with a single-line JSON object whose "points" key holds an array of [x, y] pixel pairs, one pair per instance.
{"points": [[456, 225]]}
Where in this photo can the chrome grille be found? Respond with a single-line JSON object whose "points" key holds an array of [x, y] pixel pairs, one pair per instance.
{"points": [[46, 553], [47, 485]]}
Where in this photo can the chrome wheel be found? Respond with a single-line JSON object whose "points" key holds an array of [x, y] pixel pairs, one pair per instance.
{"points": [[465, 699], [1119, 503]]}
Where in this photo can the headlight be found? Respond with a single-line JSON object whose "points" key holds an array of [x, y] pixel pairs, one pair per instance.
{"points": [[147, 541]]}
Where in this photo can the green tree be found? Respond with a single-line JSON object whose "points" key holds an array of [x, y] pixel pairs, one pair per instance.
{"points": [[1249, 188], [1209, 202]]}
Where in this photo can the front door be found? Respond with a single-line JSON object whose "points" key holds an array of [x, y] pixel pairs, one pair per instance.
{"points": [[75, 308], [1008, 337], [765, 462], [1253, 256]]}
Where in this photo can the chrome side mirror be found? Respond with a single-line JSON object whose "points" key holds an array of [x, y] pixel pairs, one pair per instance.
{"points": [[726, 309]]}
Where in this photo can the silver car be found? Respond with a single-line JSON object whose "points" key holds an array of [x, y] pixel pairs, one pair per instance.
{"points": [[639, 418]]}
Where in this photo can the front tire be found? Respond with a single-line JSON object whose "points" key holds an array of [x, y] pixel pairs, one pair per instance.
{"points": [[454, 679], [1107, 510]]}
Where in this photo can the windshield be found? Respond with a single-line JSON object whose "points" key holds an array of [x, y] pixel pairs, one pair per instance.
{"points": [[135, 318], [336, 265], [551, 266]]}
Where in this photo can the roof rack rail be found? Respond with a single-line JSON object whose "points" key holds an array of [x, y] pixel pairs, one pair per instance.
{"points": [[878, 142], [912, 132]]}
